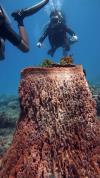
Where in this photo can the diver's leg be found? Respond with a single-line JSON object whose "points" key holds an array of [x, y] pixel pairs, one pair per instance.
{"points": [[6, 32], [65, 52], [53, 48], [24, 45], [2, 48], [29, 11], [20, 41], [19, 16], [66, 47], [2, 41], [52, 51], [2, 18]]}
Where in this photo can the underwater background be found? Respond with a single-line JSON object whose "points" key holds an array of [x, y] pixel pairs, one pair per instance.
{"points": [[82, 16]]}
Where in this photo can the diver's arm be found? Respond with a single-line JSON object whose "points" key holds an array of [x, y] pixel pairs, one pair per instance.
{"points": [[74, 37], [71, 32], [42, 38]]}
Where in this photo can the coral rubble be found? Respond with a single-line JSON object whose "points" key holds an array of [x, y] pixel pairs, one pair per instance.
{"points": [[9, 114], [57, 135]]}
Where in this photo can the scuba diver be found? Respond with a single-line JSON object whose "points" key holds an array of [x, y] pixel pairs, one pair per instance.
{"points": [[57, 33], [7, 33]]}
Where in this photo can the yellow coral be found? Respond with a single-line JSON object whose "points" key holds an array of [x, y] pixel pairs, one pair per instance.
{"points": [[66, 60]]}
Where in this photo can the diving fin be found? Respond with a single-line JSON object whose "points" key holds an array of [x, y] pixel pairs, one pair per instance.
{"points": [[32, 10], [29, 11]]}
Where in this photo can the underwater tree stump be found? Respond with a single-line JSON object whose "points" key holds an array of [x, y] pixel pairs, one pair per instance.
{"points": [[57, 135]]}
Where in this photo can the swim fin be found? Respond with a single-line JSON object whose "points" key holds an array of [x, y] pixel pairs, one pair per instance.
{"points": [[29, 11]]}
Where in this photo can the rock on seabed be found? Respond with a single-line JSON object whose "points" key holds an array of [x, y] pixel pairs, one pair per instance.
{"points": [[57, 135]]}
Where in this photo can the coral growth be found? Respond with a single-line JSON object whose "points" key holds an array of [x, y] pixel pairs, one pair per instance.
{"points": [[66, 60], [47, 63], [57, 135]]}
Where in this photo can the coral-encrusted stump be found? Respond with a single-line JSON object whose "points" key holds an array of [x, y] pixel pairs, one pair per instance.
{"points": [[57, 135]]}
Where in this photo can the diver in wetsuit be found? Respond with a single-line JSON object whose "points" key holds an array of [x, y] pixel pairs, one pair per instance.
{"points": [[57, 32], [7, 33]]}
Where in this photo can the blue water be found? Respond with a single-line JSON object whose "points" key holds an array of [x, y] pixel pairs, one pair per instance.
{"points": [[83, 16]]}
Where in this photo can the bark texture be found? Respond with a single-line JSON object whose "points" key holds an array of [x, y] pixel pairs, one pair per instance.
{"points": [[57, 135]]}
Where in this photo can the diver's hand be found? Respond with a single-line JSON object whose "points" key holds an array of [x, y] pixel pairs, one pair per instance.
{"points": [[74, 38], [39, 45]]}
